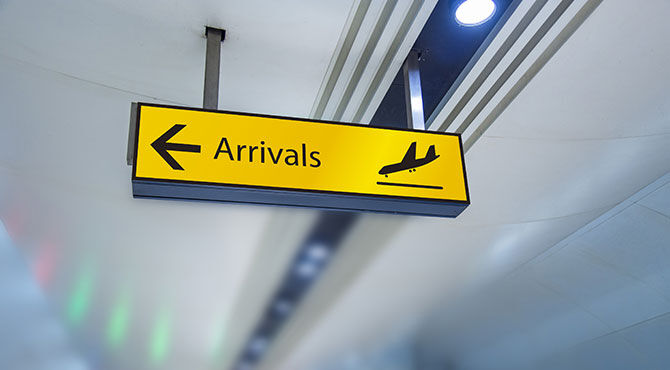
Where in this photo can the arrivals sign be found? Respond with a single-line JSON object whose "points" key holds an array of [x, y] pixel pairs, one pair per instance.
{"points": [[200, 154]]}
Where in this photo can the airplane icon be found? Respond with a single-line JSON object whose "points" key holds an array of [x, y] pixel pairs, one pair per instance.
{"points": [[409, 161]]}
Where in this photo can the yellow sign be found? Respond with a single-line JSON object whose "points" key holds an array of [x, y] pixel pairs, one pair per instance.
{"points": [[192, 146]]}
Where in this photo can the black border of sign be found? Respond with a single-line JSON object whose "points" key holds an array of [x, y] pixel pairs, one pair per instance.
{"points": [[195, 190]]}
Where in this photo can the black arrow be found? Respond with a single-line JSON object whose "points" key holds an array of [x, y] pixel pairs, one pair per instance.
{"points": [[162, 146]]}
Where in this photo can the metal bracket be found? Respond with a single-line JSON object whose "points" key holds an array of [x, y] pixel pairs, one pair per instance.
{"points": [[130, 152], [210, 97], [413, 97]]}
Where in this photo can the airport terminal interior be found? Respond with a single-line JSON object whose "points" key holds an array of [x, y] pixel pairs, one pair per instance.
{"points": [[334, 184]]}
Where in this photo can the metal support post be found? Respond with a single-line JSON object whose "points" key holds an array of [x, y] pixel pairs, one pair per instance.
{"points": [[413, 98], [215, 36]]}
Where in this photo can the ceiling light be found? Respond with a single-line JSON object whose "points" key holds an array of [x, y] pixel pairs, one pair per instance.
{"points": [[258, 345], [318, 252], [306, 269], [475, 12], [283, 307], [245, 366]]}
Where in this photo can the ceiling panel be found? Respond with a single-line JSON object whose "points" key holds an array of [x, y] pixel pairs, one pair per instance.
{"points": [[659, 200], [652, 339], [156, 49], [607, 292], [563, 308], [635, 243]]}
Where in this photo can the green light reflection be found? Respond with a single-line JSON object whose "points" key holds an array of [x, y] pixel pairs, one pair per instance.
{"points": [[117, 326], [80, 298], [217, 346], [160, 337]]}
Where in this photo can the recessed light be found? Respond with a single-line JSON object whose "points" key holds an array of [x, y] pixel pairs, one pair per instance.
{"points": [[258, 345], [475, 12], [283, 307], [318, 252], [306, 269]]}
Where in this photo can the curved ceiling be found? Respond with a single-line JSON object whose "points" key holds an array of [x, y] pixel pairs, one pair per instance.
{"points": [[583, 130], [146, 283], [164, 275], [576, 127]]}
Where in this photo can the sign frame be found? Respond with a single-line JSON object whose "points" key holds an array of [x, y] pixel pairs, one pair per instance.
{"points": [[145, 187]]}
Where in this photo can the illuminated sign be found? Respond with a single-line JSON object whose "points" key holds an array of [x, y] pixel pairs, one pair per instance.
{"points": [[225, 156]]}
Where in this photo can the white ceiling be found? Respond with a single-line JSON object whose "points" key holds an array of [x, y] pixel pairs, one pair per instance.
{"points": [[588, 131], [68, 73], [275, 56], [599, 299]]}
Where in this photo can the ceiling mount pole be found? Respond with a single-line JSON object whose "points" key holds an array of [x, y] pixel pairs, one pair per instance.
{"points": [[210, 97], [413, 97]]}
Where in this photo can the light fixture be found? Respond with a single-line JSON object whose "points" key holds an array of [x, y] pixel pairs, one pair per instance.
{"points": [[475, 12], [318, 252], [258, 345], [306, 269], [283, 307], [245, 366]]}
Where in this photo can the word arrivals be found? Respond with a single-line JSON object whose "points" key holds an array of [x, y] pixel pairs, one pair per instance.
{"points": [[288, 156]]}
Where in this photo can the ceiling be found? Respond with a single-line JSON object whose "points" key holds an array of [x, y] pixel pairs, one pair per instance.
{"points": [[577, 127], [570, 145], [445, 49], [598, 299], [69, 72]]}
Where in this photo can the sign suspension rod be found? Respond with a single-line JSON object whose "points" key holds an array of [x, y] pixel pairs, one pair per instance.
{"points": [[215, 37], [413, 97]]}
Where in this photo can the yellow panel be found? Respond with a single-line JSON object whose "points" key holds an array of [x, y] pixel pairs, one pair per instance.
{"points": [[240, 149]]}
